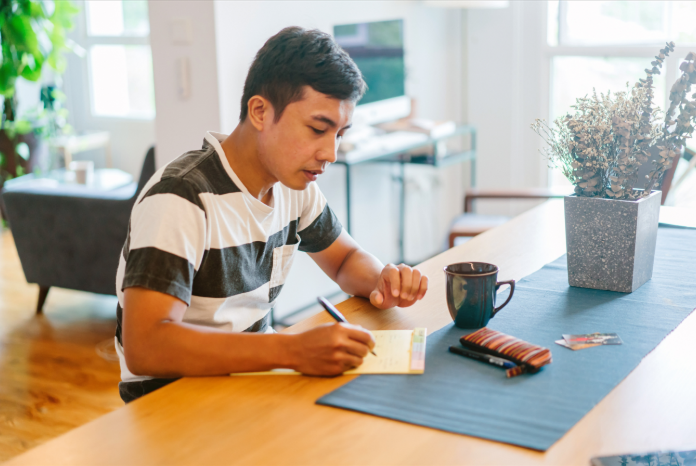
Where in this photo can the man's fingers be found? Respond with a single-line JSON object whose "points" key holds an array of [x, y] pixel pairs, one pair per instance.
{"points": [[376, 297], [415, 284], [351, 362], [357, 348], [423, 286], [406, 274], [394, 277], [333, 348], [359, 334]]}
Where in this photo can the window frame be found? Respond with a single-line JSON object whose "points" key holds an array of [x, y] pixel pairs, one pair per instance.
{"points": [[669, 68], [87, 42]]}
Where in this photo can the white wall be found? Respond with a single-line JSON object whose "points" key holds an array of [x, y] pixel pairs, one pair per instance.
{"points": [[508, 82], [434, 75], [181, 123]]}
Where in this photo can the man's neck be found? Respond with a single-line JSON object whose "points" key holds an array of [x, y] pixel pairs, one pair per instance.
{"points": [[241, 151]]}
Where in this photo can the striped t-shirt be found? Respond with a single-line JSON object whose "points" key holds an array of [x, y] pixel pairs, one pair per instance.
{"points": [[197, 234]]}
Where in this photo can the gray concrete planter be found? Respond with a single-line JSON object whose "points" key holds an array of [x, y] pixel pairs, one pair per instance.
{"points": [[610, 243]]}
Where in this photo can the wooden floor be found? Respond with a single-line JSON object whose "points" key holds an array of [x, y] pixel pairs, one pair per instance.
{"points": [[52, 378]]}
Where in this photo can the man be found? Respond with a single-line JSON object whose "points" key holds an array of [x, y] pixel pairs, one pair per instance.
{"points": [[213, 234]]}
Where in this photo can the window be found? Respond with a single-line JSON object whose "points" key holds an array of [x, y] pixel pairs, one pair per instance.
{"points": [[577, 76], [119, 59], [602, 23], [606, 44]]}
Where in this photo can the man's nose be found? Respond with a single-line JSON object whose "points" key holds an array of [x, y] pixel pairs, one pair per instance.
{"points": [[329, 151]]}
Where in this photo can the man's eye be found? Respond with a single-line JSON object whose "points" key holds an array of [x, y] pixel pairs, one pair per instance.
{"points": [[317, 131]]}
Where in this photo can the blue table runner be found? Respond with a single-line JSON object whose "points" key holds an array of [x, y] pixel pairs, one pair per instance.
{"points": [[534, 411]]}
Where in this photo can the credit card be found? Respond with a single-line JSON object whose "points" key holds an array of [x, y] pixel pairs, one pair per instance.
{"points": [[575, 347], [593, 339]]}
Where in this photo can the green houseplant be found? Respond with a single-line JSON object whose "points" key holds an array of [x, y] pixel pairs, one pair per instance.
{"points": [[612, 219], [33, 36]]}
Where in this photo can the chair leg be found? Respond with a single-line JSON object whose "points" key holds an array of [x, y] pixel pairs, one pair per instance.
{"points": [[43, 294]]}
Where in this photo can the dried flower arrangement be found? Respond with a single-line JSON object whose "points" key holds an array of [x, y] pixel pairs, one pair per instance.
{"points": [[602, 145]]}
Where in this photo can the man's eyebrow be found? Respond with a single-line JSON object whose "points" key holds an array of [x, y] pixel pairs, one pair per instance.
{"points": [[324, 119], [328, 121]]}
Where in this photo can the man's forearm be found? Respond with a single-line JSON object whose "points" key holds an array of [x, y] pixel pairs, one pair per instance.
{"points": [[359, 272], [175, 349]]}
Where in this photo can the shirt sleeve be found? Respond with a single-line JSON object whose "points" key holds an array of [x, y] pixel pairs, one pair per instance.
{"points": [[318, 227], [166, 242]]}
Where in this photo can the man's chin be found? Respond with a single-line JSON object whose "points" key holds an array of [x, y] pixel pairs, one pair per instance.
{"points": [[296, 184]]}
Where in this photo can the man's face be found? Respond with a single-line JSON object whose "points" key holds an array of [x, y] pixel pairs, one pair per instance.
{"points": [[298, 147]]}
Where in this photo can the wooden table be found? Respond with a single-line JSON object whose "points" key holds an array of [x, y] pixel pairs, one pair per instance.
{"points": [[273, 420]]}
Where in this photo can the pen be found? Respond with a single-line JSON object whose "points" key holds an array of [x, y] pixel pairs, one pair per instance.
{"points": [[500, 362], [334, 312]]}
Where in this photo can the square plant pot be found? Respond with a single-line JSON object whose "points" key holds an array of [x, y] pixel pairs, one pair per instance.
{"points": [[611, 243]]}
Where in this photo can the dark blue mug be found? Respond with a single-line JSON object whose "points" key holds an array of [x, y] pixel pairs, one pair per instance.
{"points": [[471, 292]]}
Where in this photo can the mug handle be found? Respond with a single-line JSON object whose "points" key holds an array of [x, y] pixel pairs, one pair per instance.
{"points": [[512, 290]]}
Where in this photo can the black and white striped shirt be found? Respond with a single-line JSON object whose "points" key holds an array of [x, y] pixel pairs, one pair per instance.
{"points": [[197, 234]]}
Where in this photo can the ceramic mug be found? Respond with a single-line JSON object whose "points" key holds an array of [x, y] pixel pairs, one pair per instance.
{"points": [[471, 293]]}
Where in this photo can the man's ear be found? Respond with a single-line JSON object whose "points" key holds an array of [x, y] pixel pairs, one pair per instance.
{"points": [[260, 112]]}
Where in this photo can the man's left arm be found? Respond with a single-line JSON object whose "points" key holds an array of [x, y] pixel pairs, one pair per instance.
{"points": [[359, 273]]}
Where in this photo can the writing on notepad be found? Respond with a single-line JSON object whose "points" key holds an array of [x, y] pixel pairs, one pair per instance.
{"points": [[393, 348], [398, 352]]}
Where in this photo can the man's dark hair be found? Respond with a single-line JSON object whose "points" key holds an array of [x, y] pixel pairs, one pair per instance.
{"points": [[297, 57]]}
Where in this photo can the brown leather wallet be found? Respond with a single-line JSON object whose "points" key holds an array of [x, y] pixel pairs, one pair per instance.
{"points": [[528, 357]]}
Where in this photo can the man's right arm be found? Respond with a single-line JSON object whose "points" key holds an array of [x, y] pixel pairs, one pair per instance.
{"points": [[157, 343]]}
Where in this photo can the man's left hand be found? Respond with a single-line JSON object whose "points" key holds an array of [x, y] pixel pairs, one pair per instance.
{"points": [[398, 286]]}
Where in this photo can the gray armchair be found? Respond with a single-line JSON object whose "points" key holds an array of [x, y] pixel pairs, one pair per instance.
{"points": [[71, 239]]}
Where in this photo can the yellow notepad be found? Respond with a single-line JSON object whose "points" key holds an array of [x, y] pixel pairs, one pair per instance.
{"points": [[398, 352]]}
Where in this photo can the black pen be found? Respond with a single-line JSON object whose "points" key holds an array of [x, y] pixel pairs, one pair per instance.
{"points": [[500, 362], [334, 312]]}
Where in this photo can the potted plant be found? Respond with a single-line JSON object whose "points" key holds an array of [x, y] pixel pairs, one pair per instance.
{"points": [[32, 34], [612, 218]]}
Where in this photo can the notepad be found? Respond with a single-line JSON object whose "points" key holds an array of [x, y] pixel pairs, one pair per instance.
{"points": [[398, 352]]}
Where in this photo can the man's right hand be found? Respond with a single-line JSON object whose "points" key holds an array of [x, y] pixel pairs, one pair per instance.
{"points": [[331, 349]]}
